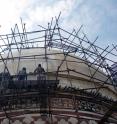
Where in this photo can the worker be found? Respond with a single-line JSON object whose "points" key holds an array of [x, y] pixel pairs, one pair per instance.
{"points": [[4, 80], [40, 72], [11, 84], [22, 74]]}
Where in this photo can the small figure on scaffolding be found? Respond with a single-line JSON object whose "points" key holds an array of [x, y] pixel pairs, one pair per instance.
{"points": [[40, 72], [41, 77], [4, 79], [22, 74]]}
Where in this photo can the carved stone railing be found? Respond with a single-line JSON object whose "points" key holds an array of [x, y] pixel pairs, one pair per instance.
{"points": [[47, 96]]}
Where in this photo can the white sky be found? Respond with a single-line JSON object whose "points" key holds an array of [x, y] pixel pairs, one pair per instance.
{"points": [[33, 13], [98, 17]]}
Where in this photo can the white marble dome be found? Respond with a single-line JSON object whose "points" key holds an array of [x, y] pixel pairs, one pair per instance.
{"points": [[79, 76]]}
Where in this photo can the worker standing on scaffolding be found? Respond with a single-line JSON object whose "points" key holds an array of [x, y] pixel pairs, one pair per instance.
{"points": [[22, 74], [40, 72], [41, 77], [4, 79]]}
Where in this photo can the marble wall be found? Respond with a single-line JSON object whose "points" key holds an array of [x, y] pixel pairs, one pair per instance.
{"points": [[28, 119]]}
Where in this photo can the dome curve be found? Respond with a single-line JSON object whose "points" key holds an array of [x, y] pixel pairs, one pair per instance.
{"points": [[79, 71]]}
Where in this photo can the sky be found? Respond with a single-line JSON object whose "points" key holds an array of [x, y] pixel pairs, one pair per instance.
{"points": [[98, 17]]}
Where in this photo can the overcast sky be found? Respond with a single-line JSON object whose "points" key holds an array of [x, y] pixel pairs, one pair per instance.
{"points": [[99, 17]]}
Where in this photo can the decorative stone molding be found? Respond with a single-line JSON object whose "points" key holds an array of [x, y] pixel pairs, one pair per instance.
{"points": [[62, 121], [73, 120]]}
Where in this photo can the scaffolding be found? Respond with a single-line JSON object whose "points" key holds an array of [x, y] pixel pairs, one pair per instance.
{"points": [[53, 37]]}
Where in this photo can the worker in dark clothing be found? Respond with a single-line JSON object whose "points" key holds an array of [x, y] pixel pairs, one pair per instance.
{"points": [[40, 72], [4, 80], [11, 84], [22, 74]]}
